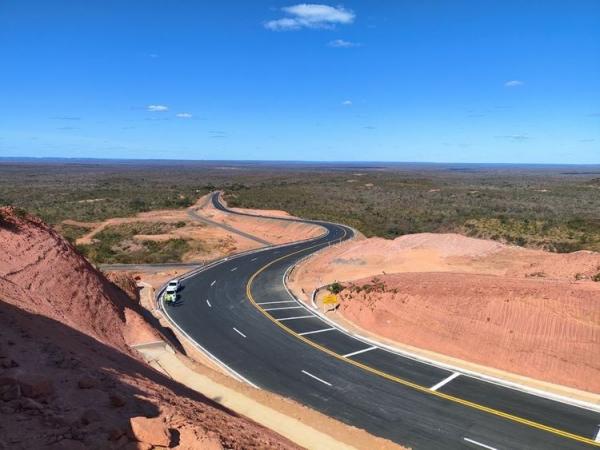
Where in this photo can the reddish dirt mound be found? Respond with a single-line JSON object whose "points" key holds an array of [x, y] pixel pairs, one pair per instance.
{"points": [[66, 286], [66, 375], [273, 231], [549, 330], [543, 307], [126, 282]]}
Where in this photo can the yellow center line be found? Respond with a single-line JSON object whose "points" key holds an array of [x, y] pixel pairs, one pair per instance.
{"points": [[401, 381]]}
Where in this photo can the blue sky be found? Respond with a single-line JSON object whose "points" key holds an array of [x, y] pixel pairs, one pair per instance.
{"points": [[439, 81]]}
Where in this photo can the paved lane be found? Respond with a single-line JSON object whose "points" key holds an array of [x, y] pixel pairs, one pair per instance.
{"points": [[234, 310]]}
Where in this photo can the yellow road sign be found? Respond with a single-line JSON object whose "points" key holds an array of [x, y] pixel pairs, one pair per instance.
{"points": [[330, 299]]}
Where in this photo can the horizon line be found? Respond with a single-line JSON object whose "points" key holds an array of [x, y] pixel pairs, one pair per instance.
{"points": [[283, 161]]}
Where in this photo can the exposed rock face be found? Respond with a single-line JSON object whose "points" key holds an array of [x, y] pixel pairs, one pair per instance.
{"points": [[126, 283], [67, 377], [548, 329], [151, 431], [61, 283]]}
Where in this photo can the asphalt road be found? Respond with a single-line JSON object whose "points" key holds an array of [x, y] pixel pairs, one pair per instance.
{"points": [[240, 312]]}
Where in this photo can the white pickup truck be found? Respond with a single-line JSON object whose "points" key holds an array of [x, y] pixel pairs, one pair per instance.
{"points": [[170, 294]]}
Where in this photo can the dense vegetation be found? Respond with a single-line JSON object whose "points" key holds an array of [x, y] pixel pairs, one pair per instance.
{"points": [[554, 211], [553, 208]]}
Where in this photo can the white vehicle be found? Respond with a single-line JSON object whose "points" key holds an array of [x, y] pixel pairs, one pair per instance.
{"points": [[169, 297], [174, 285]]}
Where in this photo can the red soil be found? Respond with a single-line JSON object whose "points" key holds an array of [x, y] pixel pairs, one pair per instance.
{"points": [[543, 308], [273, 231], [548, 330], [67, 375]]}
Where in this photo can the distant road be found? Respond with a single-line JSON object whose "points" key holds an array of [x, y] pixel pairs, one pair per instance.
{"points": [[200, 218], [241, 313]]}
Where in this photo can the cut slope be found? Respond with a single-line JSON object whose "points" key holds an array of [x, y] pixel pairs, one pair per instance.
{"points": [[548, 330], [544, 312], [273, 231], [67, 287], [66, 374], [70, 391]]}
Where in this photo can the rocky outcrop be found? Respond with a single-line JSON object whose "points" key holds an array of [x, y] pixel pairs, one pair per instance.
{"points": [[68, 379]]}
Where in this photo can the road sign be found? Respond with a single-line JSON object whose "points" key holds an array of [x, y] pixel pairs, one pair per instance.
{"points": [[330, 299]]}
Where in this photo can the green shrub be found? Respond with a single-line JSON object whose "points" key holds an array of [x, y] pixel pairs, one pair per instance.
{"points": [[335, 288]]}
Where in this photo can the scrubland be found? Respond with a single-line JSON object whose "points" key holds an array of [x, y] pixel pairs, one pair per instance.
{"points": [[551, 208]]}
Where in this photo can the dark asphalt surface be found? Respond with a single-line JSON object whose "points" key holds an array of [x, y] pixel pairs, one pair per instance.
{"points": [[214, 309]]}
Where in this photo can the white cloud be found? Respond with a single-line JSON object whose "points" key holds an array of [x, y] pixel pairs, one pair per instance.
{"points": [[284, 24], [157, 108], [514, 83], [306, 15], [515, 137], [347, 103], [183, 115], [340, 43]]}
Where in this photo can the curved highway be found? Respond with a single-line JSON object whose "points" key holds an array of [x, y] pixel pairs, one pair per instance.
{"points": [[240, 312]]}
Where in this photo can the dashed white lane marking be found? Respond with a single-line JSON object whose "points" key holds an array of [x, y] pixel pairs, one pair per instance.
{"points": [[234, 269], [294, 318], [208, 303], [272, 303], [444, 381], [358, 352], [213, 283], [254, 259], [316, 378], [285, 307], [316, 331], [239, 332], [597, 438], [480, 444]]}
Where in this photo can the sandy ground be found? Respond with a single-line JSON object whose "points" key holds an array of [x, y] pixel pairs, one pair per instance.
{"points": [[264, 212], [67, 373], [247, 396], [274, 231], [449, 294], [214, 242]]}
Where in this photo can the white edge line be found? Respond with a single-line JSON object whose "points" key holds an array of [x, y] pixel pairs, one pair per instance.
{"points": [[204, 268], [480, 444], [316, 378], [391, 349], [358, 352], [283, 307], [209, 354], [272, 303], [316, 331], [239, 332], [444, 381], [293, 318], [470, 373], [208, 303]]}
